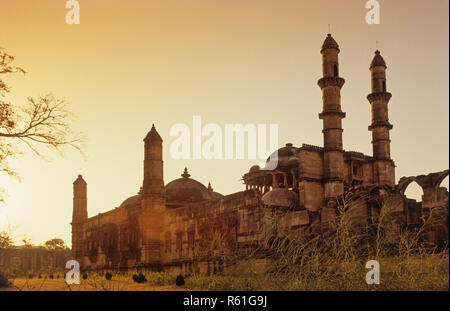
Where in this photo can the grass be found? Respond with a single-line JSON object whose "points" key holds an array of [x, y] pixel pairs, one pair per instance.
{"points": [[333, 260], [97, 282]]}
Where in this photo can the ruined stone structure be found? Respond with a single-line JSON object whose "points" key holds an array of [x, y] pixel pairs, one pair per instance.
{"points": [[174, 225]]}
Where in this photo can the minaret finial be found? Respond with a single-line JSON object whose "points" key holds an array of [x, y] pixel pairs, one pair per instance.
{"points": [[376, 45], [329, 28], [185, 173], [209, 187]]}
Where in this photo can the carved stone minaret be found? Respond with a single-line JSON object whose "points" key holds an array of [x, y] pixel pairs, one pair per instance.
{"points": [[332, 115], [153, 165], [384, 168], [79, 217], [153, 218]]}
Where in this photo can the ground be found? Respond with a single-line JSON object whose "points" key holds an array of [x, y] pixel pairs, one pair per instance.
{"points": [[23, 284], [428, 273]]}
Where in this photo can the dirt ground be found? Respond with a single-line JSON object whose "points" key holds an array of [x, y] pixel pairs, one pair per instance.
{"points": [[85, 285]]}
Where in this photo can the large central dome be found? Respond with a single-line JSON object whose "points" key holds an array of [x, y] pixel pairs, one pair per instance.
{"points": [[187, 190]]}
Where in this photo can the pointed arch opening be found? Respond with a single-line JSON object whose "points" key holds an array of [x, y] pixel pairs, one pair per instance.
{"points": [[414, 191], [445, 183]]}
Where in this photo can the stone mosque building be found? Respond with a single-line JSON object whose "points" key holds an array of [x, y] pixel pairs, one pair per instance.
{"points": [[175, 225]]}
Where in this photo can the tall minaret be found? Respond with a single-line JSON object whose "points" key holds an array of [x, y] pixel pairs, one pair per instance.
{"points": [[153, 165], [384, 167], [332, 115], [152, 220], [79, 217]]}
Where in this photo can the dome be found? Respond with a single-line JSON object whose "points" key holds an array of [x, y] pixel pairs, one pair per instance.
{"points": [[186, 190], [281, 197], [329, 43], [254, 169], [284, 153], [377, 60], [287, 151], [131, 201]]}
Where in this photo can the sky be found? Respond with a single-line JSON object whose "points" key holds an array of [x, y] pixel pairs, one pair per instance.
{"points": [[129, 64]]}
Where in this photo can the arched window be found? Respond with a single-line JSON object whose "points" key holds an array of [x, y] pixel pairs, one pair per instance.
{"points": [[384, 86], [335, 70], [414, 191], [445, 183]]}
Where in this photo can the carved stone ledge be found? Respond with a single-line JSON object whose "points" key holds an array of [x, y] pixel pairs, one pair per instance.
{"points": [[330, 81], [380, 95]]}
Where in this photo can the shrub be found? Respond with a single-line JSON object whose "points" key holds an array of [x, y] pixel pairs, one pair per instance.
{"points": [[139, 278], [158, 280], [108, 276], [4, 282], [85, 276], [180, 280]]}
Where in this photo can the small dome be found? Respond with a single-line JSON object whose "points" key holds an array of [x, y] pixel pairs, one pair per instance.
{"points": [[280, 197], [186, 190], [288, 150], [133, 200], [377, 60], [329, 43], [254, 169], [283, 154]]}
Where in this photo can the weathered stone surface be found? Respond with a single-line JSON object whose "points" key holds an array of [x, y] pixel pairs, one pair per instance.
{"points": [[186, 226]]}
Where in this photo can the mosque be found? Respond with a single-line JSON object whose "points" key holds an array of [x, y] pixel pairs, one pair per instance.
{"points": [[182, 225]]}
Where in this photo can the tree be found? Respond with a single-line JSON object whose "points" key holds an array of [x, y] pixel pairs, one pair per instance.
{"points": [[27, 242], [41, 122], [5, 240], [55, 244]]}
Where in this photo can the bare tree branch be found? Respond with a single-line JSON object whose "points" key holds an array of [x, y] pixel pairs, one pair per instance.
{"points": [[42, 122]]}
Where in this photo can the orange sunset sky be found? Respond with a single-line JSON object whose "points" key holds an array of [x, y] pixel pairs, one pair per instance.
{"points": [[132, 63]]}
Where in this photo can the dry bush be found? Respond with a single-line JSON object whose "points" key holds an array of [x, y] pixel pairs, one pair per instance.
{"points": [[336, 258]]}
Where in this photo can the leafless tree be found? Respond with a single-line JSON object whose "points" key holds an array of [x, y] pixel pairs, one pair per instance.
{"points": [[41, 122]]}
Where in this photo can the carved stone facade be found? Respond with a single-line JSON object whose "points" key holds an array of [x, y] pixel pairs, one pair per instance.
{"points": [[175, 226]]}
